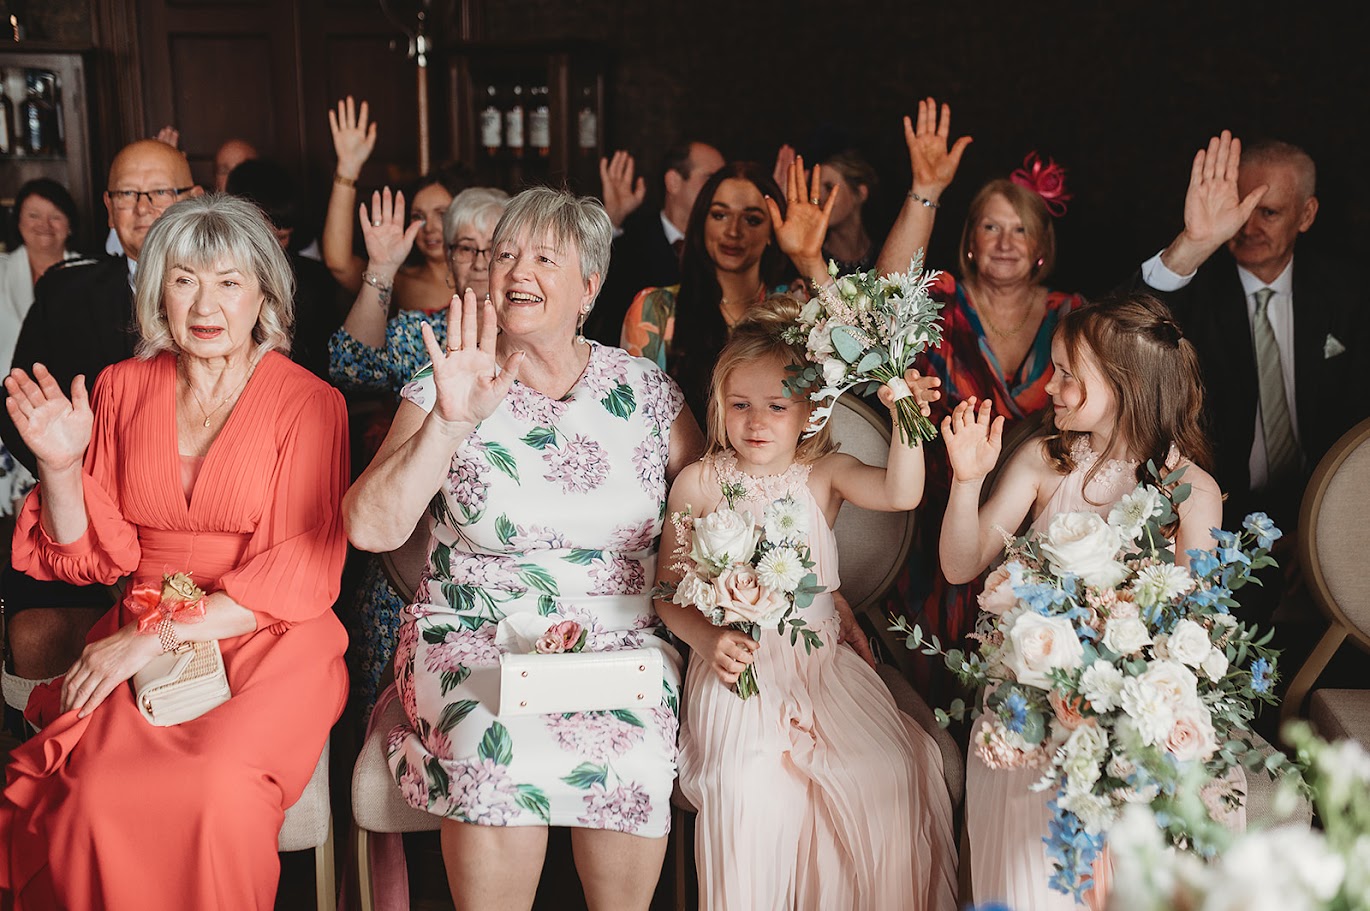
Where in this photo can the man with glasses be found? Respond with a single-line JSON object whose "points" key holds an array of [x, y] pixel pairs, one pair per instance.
{"points": [[80, 323]]}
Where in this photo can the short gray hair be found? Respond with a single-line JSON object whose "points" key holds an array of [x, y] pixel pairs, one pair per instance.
{"points": [[475, 206], [201, 232], [1274, 152], [568, 219]]}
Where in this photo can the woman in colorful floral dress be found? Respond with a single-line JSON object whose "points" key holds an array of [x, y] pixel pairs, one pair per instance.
{"points": [[549, 457]]}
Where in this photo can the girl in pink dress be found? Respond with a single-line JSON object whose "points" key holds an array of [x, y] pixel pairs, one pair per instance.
{"points": [[817, 792], [1104, 426]]}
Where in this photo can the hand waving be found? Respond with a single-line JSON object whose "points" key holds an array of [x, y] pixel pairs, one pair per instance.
{"points": [[924, 389], [353, 137], [800, 232], [622, 195], [933, 165], [974, 438], [469, 386], [56, 428], [1213, 208], [388, 240], [784, 160]]}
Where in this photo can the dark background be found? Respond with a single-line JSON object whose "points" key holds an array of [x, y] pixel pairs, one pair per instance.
{"points": [[1121, 94]]}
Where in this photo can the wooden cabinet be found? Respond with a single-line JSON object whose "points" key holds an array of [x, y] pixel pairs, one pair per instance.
{"points": [[54, 140], [522, 115]]}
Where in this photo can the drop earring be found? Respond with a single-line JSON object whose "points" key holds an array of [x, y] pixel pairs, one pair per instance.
{"points": [[580, 327]]}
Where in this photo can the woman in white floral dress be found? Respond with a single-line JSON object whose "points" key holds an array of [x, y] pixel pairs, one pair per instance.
{"points": [[542, 461]]}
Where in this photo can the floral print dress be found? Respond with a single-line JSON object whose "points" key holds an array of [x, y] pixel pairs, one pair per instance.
{"points": [[553, 507]]}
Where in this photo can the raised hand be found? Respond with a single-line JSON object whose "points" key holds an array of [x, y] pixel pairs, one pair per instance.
{"points": [[1214, 210], [974, 438], [801, 230], [622, 194], [469, 385], [388, 238], [784, 158], [169, 135], [353, 137], [924, 389], [932, 163], [55, 428]]}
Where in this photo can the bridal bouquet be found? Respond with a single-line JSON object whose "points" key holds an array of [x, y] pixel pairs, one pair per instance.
{"points": [[1288, 867], [1114, 671], [867, 328], [744, 575]]}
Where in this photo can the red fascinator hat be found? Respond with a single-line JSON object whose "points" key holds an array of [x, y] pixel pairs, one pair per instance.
{"points": [[1046, 180]]}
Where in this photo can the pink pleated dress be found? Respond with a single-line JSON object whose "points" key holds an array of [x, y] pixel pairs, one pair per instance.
{"points": [[818, 792]]}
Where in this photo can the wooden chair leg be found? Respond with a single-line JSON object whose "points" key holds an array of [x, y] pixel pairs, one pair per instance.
{"points": [[1308, 674], [364, 886], [325, 878]]}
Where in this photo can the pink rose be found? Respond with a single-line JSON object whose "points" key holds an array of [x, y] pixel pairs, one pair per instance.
{"points": [[1069, 711], [744, 599], [1192, 736], [560, 637], [998, 597]]}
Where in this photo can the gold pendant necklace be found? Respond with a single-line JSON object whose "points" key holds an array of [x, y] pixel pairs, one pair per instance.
{"points": [[723, 304], [222, 402], [1008, 333]]}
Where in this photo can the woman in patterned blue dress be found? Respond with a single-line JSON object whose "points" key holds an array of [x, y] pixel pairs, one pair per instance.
{"points": [[371, 352], [542, 461]]}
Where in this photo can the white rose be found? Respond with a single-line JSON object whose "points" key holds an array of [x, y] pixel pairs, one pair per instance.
{"points": [[1084, 544], [1214, 665], [722, 538], [1126, 635], [1192, 735], [998, 597], [1101, 684], [820, 341], [847, 288], [1298, 871], [810, 312], [1097, 813], [834, 371], [694, 592], [1038, 644], [1084, 750], [1176, 682], [1188, 643]]}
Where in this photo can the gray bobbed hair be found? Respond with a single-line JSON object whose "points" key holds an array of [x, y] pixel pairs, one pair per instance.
{"points": [[567, 219], [200, 233], [475, 206]]}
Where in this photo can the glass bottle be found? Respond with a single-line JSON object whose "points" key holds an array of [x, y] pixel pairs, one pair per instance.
{"points": [[6, 122], [35, 117], [539, 122], [491, 122], [513, 124], [587, 122]]}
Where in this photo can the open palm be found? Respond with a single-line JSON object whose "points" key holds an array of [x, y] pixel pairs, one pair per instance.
{"points": [[55, 428], [800, 232], [974, 439], [932, 162], [469, 382]]}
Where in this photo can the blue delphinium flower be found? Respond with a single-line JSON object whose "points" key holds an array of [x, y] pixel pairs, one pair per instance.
{"points": [[1015, 712], [1260, 525], [1261, 673], [1073, 851], [1202, 562], [1040, 596], [1209, 597]]}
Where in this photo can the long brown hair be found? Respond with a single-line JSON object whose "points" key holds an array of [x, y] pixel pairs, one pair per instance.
{"points": [[1154, 373], [758, 336]]}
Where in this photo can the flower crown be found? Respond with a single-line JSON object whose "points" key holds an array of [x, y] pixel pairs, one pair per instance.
{"points": [[1046, 180]]}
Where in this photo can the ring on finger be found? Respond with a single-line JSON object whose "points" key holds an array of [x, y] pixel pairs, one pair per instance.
{"points": [[813, 200], [451, 350], [375, 224]]}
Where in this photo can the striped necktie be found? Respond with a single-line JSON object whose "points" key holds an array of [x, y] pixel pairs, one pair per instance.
{"points": [[1281, 450]]}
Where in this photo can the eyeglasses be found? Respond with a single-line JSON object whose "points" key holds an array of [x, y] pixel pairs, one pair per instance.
{"points": [[466, 253], [159, 199]]}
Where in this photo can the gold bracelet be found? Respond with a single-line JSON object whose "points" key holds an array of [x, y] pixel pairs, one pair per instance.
{"points": [[166, 634], [343, 181]]}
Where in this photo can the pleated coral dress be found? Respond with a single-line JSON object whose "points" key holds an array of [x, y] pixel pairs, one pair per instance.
{"points": [[109, 811], [817, 793]]}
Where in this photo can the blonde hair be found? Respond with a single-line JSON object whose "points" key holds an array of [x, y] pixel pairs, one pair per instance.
{"points": [[759, 336], [201, 232]]}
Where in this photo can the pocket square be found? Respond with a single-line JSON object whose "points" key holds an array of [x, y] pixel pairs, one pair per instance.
{"points": [[1331, 347]]}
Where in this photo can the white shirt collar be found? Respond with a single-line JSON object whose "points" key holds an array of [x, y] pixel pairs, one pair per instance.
{"points": [[1283, 285], [673, 233]]}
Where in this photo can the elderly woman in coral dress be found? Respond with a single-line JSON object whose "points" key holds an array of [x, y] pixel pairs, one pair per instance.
{"points": [[208, 453]]}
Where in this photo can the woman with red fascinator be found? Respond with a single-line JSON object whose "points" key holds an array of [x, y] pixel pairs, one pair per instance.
{"points": [[998, 319]]}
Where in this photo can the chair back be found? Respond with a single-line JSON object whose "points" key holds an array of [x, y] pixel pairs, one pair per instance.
{"points": [[405, 564], [871, 546], [1334, 536]]}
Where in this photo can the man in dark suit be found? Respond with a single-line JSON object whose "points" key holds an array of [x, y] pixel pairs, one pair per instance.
{"points": [[646, 250], [1282, 343], [81, 322]]}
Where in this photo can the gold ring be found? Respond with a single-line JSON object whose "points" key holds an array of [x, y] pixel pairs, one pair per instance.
{"points": [[813, 200], [451, 350]]}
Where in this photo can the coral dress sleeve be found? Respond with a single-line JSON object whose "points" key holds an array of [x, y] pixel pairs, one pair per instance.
{"points": [[109, 548], [649, 324], [293, 564]]}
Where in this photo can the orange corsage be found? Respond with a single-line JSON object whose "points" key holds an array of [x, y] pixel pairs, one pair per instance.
{"points": [[176, 598]]}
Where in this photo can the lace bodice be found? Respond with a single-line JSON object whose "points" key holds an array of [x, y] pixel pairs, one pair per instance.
{"points": [[1114, 478]]}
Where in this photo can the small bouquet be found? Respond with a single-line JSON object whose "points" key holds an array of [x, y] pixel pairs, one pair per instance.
{"points": [[867, 328], [175, 597], [1287, 866], [743, 575], [1116, 671]]}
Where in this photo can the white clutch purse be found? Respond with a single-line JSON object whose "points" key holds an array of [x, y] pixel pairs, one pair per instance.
{"points": [[536, 684], [181, 685]]}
